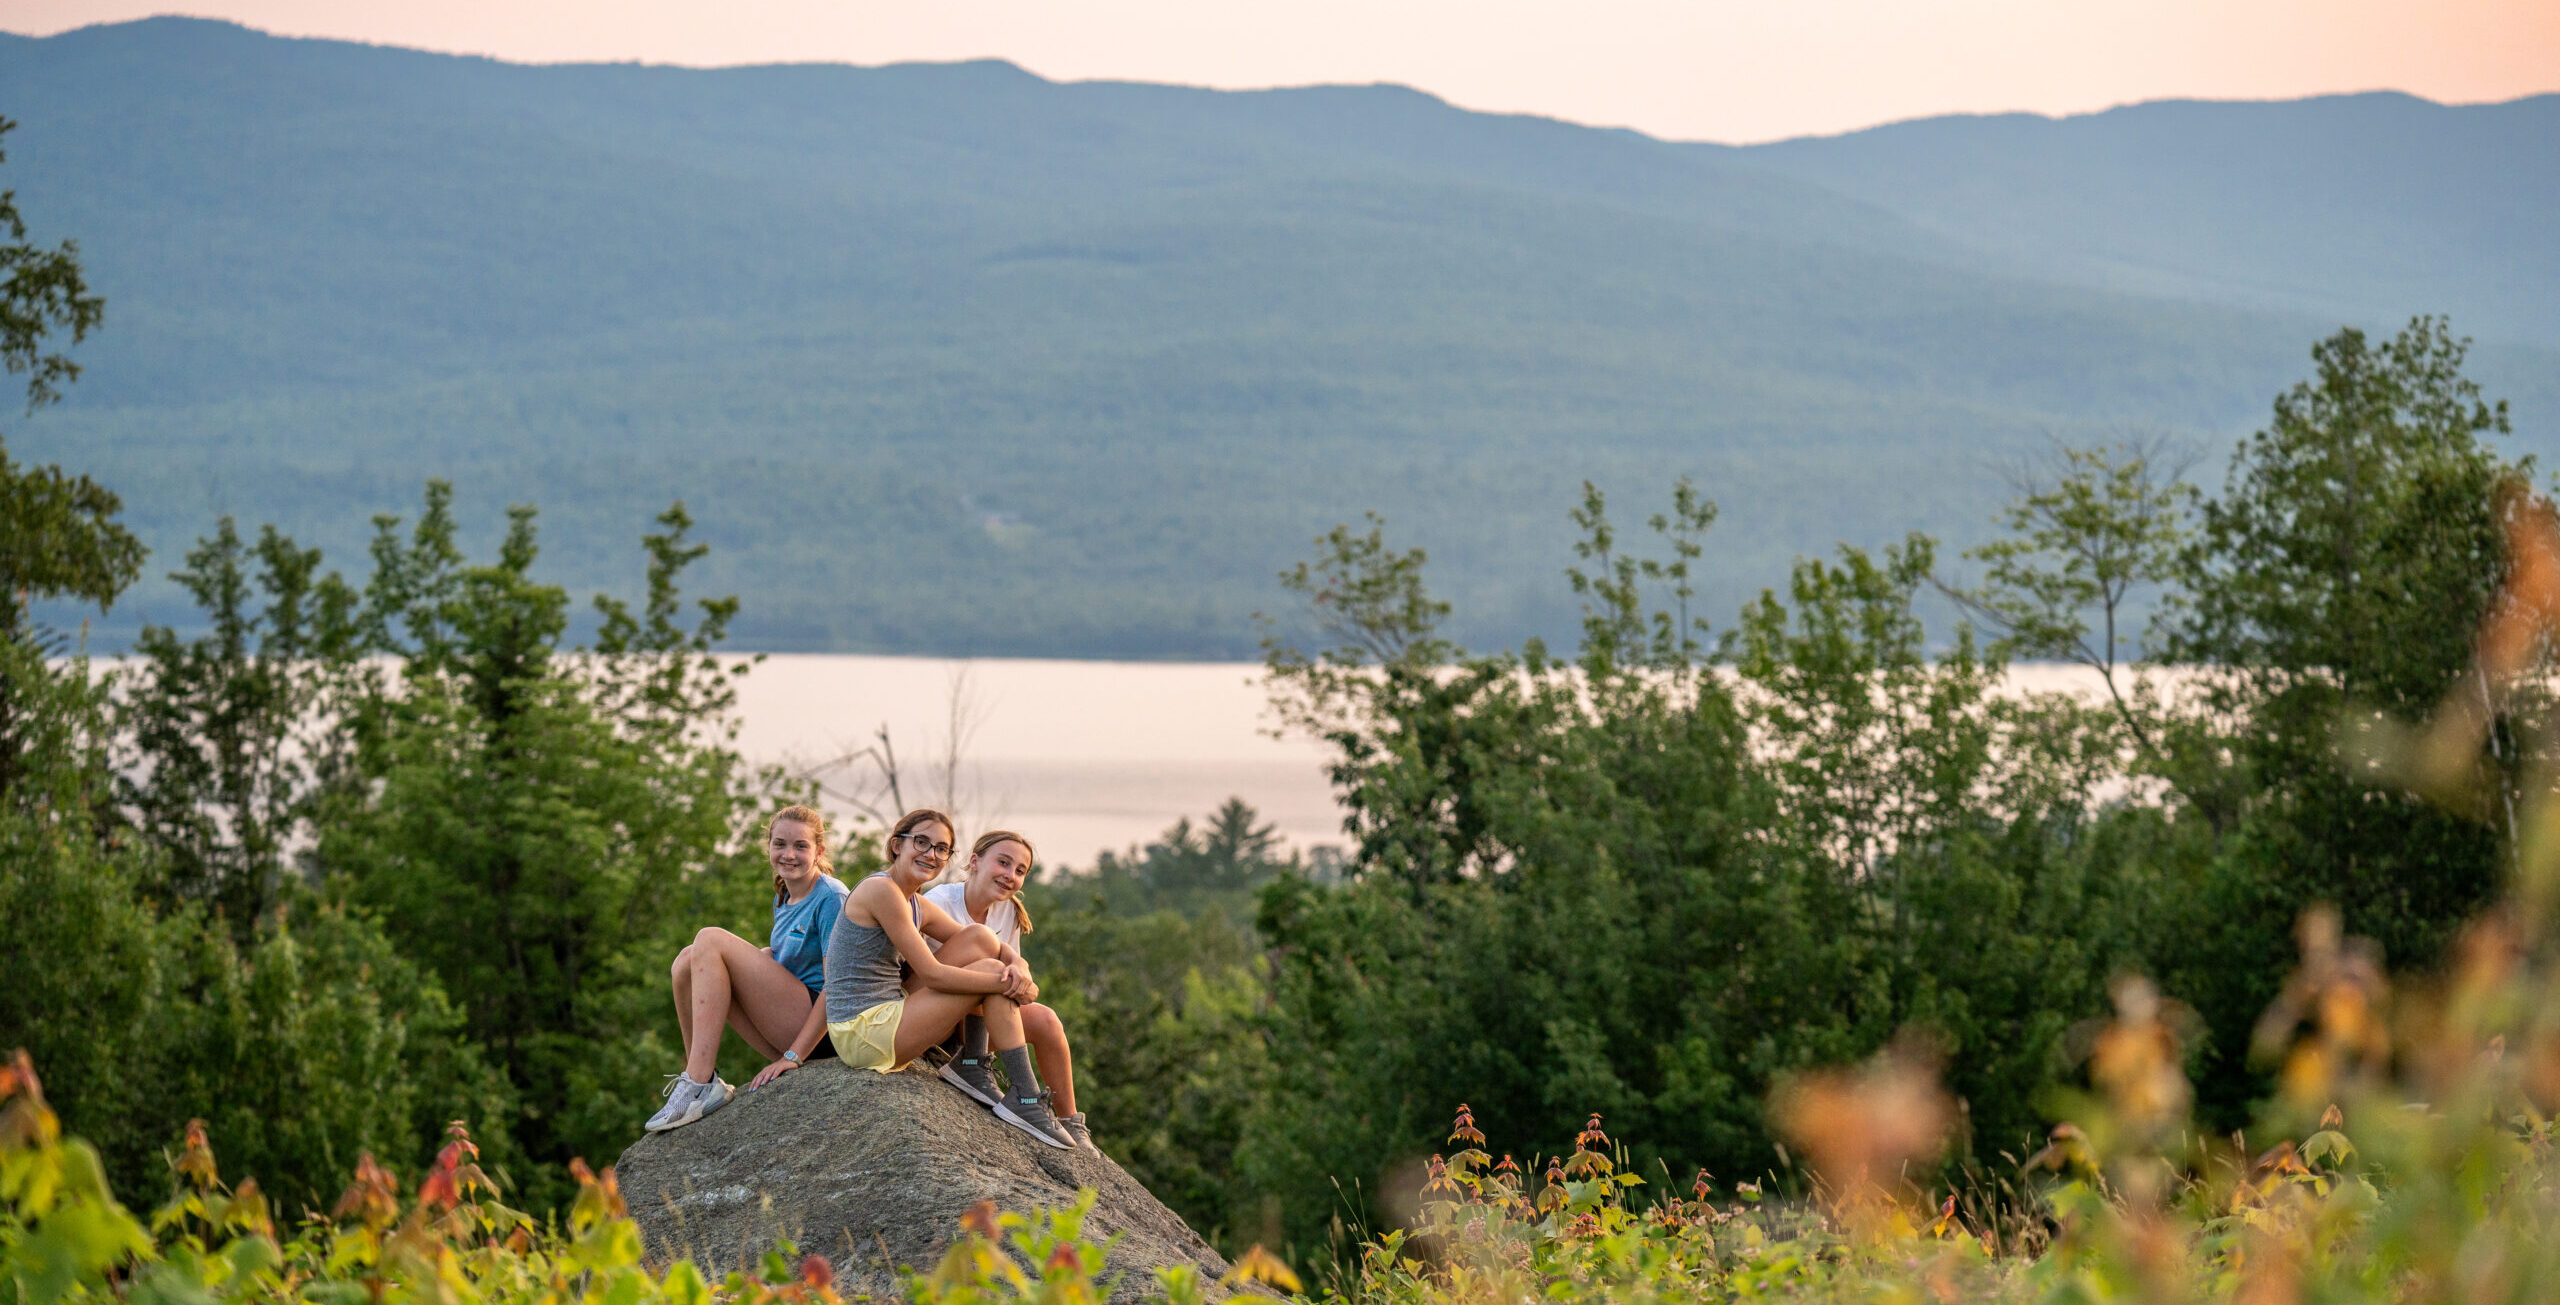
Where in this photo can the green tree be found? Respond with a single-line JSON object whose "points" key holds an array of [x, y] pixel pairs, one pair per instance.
{"points": [[58, 534], [232, 734], [1642, 884], [543, 829], [308, 1041], [1190, 869], [2102, 528], [2344, 567], [42, 291]]}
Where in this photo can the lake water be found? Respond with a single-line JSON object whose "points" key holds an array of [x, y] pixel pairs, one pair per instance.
{"points": [[1079, 756]]}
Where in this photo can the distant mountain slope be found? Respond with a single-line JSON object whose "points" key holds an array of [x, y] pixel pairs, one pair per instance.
{"points": [[2345, 206], [953, 359]]}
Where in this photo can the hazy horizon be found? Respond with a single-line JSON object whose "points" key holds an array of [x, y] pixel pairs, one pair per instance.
{"points": [[1724, 73]]}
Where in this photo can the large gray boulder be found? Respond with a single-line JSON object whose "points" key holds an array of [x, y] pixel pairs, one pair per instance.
{"points": [[874, 1171]]}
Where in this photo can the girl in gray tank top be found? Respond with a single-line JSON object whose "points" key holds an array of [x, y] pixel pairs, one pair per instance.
{"points": [[863, 969], [889, 996]]}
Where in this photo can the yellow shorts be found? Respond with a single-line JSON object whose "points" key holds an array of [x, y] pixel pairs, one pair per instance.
{"points": [[870, 1040]]}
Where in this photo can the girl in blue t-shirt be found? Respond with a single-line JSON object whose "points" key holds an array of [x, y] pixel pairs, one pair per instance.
{"points": [[769, 994]]}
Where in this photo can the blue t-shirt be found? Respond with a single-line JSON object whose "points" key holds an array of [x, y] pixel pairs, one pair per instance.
{"points": [[801, 929]]}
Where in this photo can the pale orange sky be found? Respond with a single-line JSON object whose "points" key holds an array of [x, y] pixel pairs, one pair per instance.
{"points": [[1724, 70]]}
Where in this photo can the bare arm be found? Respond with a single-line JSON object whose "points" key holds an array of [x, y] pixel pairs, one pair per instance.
{"points": [[805, 1041], [887, 908]]}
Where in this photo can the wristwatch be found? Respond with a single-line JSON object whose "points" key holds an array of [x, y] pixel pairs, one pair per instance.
{"points": [[790, 1055]]}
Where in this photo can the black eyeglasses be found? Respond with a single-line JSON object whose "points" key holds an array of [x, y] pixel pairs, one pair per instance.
{"points": [[941, 851]]}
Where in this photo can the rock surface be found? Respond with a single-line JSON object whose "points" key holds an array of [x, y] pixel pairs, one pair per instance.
{"points": [[874, 1171]]}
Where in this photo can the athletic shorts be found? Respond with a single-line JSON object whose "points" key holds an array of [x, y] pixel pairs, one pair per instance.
{"points": [[870, 1040]]}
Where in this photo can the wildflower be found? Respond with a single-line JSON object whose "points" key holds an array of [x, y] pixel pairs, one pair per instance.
{"points": [[816, 1271], [599, 1195], [981, 1219], [195, 1159], [1436, 1178], [2136, 1061], [2340, 992], [374, 1197], [1465, 1128], [1590, 1135], [1861, 1127], [2066, 1148]]}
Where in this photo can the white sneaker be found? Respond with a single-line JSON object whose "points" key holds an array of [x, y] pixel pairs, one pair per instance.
{"points": [[688, 1101]]}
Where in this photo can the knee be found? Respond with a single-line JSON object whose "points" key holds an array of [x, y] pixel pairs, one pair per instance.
{"points": [[978, 938], [683, 967], [1039, 1021], [708, 938]]}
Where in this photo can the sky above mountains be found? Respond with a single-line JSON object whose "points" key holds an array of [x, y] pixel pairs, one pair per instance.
{"points": [[1717, 70]]}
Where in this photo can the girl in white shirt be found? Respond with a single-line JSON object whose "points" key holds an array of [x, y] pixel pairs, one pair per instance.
{"points": [[999, 864]]}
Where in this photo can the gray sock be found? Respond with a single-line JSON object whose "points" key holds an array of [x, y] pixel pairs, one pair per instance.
{"points": [[1021, 1083], [973, 1036]]}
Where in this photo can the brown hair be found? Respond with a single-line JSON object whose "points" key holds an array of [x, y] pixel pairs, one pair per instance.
{"points": [[990, 839], [907, 824], [817, 823]]}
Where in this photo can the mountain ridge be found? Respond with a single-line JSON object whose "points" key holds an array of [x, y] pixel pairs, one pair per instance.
{"points": [[1075, 368]]}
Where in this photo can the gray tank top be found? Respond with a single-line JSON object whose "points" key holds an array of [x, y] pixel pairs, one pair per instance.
{"points": [[863, 969]]}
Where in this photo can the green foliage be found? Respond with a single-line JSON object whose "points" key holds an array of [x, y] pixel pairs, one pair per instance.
{"points": [[300, 1029], [230, 733], [2108, 527], [1654, 882], [1191, 870], [1155, 945], [42, 291], [543, 834], [307, 1036], [1636, 884], [2346, 564], [65, 1238]]}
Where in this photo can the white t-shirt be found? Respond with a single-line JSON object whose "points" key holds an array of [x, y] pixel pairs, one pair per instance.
{"points": [[1005, 921]]}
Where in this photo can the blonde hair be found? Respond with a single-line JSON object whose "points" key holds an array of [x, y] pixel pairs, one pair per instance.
{"points": [[817, 823], [1031, 855]]}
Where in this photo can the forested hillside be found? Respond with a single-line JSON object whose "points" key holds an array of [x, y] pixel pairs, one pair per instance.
{"points": [[955, 359]]}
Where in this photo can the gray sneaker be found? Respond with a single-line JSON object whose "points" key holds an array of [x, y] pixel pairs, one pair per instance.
{"points": [[1031, 1115], [942, 1053], [1075, 1129], [972, 1074], [688, 1101]]}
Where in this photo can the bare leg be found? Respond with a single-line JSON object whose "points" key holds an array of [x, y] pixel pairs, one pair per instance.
{"points": [[931, 1014], [680, 981], [736, 984], [1048, 1038], [975, 943]]}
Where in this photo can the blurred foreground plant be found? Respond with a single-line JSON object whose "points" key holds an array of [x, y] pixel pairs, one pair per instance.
{"points": [[64, 1237], [2405, 1156]]}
